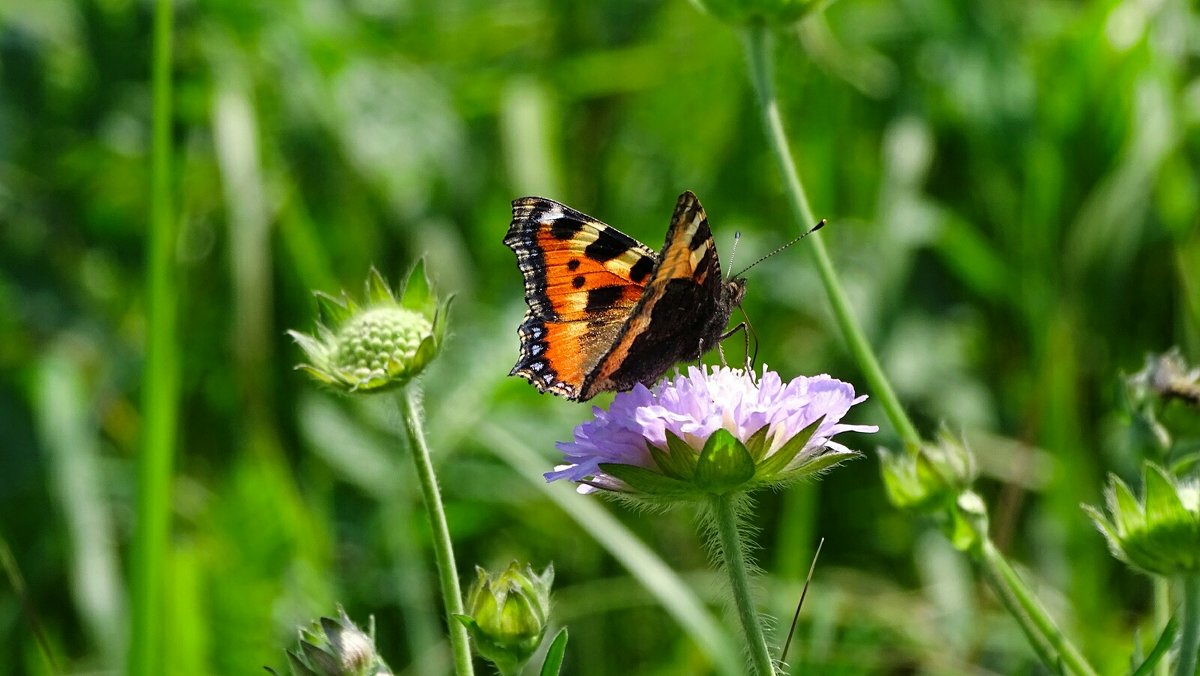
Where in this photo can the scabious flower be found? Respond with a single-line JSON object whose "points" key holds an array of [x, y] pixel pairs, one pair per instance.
{"points": [[1159, 535], [507, 614], [381, 344], [336, 647], [710, 432]]}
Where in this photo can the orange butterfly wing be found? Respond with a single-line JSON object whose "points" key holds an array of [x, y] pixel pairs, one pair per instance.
{"points": [[582, 279]]}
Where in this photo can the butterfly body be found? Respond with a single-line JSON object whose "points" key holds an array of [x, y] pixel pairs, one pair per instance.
{"points": [[605, 311]]}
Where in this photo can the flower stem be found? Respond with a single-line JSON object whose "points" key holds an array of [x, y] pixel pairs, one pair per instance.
{"points": [[443, 549], [160, 380], [1047, 640], [733, 555], [1189, 636], [1162, 615], [757, 41]]}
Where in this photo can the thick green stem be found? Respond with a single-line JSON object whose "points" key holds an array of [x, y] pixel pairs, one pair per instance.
{"points": [[1189, 636], [443, 548], [733, 555], [160, 380], [1052, 647], [757, 41]]}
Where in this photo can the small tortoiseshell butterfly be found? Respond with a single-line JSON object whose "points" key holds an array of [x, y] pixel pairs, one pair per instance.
{"points": [[605, 311]]}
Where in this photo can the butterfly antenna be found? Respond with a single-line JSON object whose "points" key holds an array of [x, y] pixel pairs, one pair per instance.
{"points": [[737, 237], [803, 593], [811, 230]]}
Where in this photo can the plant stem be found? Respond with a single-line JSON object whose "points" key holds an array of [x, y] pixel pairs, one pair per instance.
{"points": [[443, 549], [1162, 615], [1189, 637], [733, 555], [1047, 640], [757, 41], [160, 379]]}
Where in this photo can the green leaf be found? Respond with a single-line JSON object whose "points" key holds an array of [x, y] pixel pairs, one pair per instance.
{"points": [[1160, 648], [757, 443], [555, 654], [378, 291], [1126, 512], [781, 458], [333, 311], [646, 481], [417, 291], [724, 463], [678, 461], [1161, 496]]}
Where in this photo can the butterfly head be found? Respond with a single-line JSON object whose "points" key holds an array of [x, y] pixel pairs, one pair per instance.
{"points": [[735, 290]]}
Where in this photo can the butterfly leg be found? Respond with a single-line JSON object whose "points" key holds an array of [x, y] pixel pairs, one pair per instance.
{"points": [[744, 328]]}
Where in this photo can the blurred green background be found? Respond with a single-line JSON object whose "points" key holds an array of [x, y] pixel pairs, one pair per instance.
{"points": [[1013, 190]]}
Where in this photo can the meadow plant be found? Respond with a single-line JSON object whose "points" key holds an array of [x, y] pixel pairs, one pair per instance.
{"points": [[380, 345]]}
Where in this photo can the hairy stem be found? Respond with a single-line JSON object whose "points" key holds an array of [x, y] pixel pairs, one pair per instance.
{"points": [[733, 555], [443, 548]]}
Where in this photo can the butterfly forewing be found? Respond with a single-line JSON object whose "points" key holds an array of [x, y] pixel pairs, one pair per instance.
{"points": [[606, 312], [582, 278]]}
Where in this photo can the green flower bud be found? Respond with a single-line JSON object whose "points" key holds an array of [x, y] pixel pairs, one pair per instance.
{"points": [[1159, 535], [933, 478], [332, 647], [507, 614], [770, 12], [381, 344]]}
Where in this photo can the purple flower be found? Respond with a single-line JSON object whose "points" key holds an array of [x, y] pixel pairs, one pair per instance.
{"points": [[656, 441]]}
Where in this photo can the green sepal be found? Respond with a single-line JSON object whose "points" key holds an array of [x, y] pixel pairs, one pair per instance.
{"points": [[822, 462], [1126, 512], [724, 464], [297, 665], [678, 461], [757, 443], [416, 292], [333, 311], [647, 481], [377, 289], [1161, 497], [555, 654], [780, 459]]}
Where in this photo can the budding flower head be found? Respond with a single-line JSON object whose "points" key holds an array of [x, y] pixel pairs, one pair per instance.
{"points": [[381, 344], [507, 614], [1159, 535], [931, 478], [332, 647], [710, 432]]}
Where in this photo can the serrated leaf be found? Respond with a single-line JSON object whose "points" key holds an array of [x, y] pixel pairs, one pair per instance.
{"points": [[646, 481], [723, 464], [555, 654], [780, 459]]}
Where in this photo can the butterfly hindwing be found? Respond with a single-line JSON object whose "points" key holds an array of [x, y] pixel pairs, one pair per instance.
{"points": [[683, 310], [582, 278], [606, 312]]}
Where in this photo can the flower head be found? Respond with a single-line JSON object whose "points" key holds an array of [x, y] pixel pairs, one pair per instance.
{"points": [[380, 344], [332, 647], [1160, 534], [507, 614], [711, 432]]}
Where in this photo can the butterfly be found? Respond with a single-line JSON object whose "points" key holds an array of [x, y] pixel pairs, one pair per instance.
{"points": [[605, 311]]}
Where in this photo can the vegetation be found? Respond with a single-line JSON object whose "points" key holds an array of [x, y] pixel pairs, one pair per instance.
{"points": [[1013, 198]]}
